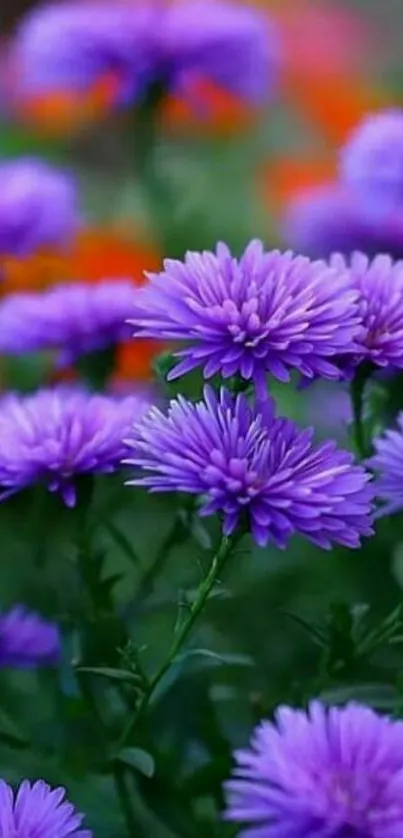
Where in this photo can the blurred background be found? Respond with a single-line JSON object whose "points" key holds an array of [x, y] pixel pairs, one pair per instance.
{"points": [[231, 171]]}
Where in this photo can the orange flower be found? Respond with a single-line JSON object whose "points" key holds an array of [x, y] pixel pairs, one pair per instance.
{"points": [[283, 178], [97, 254], [335, 105], [104, 254], [62, 112], [207, 108]]}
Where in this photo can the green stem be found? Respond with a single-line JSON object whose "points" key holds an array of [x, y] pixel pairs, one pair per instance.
{"points": [[146, 129], [124, 797], [182, 633], [96, 368], [357, 391]]}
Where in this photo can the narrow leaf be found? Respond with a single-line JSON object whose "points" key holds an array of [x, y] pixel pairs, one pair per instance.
{"points": [[123, 543], [138, 759]]}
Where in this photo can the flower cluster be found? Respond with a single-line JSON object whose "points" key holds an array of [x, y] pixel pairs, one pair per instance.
{"points": [[325, 773], [54, 436], [74, 319], [245, 461]]}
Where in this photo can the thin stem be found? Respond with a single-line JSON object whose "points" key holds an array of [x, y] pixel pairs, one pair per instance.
{"points": [[124, 798], [182, 633], [357, 391]]}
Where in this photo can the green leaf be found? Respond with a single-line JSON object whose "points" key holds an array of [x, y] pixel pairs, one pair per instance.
{"points": [[315, 632], [110, 673], [211, 658], [138, 759], [380, 696]]}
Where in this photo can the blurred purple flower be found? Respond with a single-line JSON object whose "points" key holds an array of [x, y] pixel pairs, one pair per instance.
{"points": [[74, 319], [244, 460], [37, 810], [54, 436], [330, 219], [380, 287], [73, 45], [38, 207], [328, 407], [26, 640], [266, 313], [371, 164], [388, 463], [324, 773]]}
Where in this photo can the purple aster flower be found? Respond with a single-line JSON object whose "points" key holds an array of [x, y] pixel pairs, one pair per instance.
{"points": [[388, 463], [372, 163], [37, 810], [324, 773], [26, 640], [380, 287], [38, 207], [73, 45], [74, 319], [242, 459], [56, 435], [330, 219], [266, 313]]}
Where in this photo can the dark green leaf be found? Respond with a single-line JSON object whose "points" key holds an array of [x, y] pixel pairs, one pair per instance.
{"points": [[110, 673]]}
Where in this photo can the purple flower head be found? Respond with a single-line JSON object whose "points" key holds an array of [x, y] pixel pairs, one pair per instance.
{"points": [[372, 163], [56, 435], [26, 640], [243, 460], [266, 313], [325, 773], [38, 207], [388, 463], [380, 287], [73, 45], [330, 219], [233, 45], [37, 810], [74, 319]]}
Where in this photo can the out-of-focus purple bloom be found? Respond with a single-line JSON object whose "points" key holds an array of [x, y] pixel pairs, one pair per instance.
{"points": [[54, 436], [266, 313], [328, 407], [243, 460], [38, 207], [388, 463], [73, 45], [380, 287], [372, 164], [324, 773], [330, 219], [38, 810], [26, 640], [74, 319]]}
